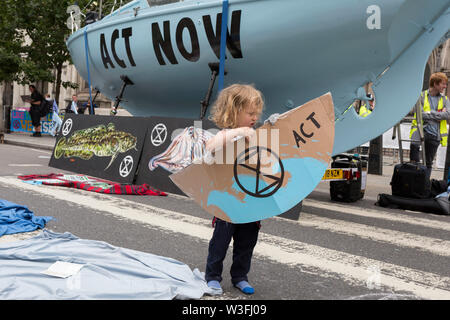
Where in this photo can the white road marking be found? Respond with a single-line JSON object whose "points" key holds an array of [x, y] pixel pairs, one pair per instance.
{"points": [[380, 214], [309, 258], [436, 246], [42, 151], [44, 157], [24, 165]]}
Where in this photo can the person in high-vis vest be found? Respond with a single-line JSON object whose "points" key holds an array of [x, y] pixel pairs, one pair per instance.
{"points": [[435, 108], [363, 110]]}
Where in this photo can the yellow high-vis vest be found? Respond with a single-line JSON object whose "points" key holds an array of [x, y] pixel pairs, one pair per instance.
{"points": [[363, 111], [443, 124]]}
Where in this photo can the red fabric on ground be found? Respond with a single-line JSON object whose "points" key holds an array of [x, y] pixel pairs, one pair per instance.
{"points": [[116, 188]]}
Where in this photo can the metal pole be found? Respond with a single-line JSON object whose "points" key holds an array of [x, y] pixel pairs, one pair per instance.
{"points": [[400, 145], [100, 11]]}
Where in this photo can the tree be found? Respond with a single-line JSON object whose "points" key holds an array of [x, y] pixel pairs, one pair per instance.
{"points": [[35, 48], [9, 45]]}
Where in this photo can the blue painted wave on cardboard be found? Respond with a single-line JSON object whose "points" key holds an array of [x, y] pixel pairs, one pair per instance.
{"points": [[305, 174]]}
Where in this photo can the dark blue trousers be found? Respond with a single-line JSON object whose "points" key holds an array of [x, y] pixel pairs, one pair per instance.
{"points": [[244, 238]]}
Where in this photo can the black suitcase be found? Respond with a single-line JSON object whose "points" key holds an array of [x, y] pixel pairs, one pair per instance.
{"points": [[411, 180], [349, 190]]}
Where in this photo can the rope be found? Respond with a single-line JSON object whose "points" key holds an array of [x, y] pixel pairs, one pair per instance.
{"points": [[86, 47]]}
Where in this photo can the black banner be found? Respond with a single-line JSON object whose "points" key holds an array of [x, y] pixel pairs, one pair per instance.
{"points": [[102, 146], [160, 157]]}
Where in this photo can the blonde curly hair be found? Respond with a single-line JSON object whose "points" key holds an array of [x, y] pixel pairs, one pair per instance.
{"points": [[233, 100]]}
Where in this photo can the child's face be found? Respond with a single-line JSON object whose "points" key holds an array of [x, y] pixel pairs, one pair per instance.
{"points": [[248, 116]]}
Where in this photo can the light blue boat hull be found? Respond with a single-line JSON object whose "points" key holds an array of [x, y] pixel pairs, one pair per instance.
{"points": [[292, 50]]}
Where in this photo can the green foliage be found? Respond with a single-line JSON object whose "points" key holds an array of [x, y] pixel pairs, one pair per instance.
{"points": [[33, 38]]}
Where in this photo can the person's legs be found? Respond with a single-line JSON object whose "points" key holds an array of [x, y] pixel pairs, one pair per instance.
{"points": [[217, 250], [431, 147], [35, 121], [245, 238], [414, 152]]}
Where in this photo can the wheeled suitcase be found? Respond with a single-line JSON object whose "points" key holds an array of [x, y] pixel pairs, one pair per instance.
{"points": [[348, 190], [411, 180]]}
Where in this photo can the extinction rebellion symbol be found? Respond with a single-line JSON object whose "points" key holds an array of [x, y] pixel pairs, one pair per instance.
{"points": [[159, 134], [126, 166], [16, 124], [260, 188], [67, 127]]}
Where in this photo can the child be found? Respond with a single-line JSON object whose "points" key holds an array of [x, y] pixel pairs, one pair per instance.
{"points": [[236, 111]]}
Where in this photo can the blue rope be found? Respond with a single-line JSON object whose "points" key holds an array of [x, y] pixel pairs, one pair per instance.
{"points": [[86, 47], [223, 43]]}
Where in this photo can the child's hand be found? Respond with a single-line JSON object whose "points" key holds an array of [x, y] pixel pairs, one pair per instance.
{"points": [[247, 132], [272, 119]]}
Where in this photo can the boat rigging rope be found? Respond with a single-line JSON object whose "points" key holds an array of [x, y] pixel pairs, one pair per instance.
{"points": [[86, 47]]}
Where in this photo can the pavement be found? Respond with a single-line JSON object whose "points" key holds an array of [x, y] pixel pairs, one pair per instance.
{"points": [[45, 142], [376, 184]]}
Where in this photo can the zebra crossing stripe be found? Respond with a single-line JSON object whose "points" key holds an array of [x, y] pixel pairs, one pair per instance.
{"points": [[411, 218]]}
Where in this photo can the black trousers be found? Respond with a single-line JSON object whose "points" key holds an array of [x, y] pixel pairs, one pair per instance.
{"points": [[431, 147], [35, 115], [244, 236]]}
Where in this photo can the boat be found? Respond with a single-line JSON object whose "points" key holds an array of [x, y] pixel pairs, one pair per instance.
{"points": [[157, 55]]}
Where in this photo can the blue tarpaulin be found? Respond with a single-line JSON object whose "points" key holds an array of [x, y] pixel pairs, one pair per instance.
{"points": [[15, 218], [108, 272]]}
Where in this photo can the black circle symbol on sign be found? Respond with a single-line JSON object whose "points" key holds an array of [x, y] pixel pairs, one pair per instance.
{"points": [[159, 134], [265, 191], [126, 166], [16, 124]]}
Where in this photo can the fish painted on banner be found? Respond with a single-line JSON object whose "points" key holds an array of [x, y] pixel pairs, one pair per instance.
{"points": [[253, 180], [186, 148], [101, 141]]}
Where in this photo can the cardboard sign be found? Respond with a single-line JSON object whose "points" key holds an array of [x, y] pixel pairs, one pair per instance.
{"points": [[170, 144], [21, 122], [253, 180], [101, 146]]}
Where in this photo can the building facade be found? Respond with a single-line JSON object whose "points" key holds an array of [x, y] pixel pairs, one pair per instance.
{"points": [[10, 93]]}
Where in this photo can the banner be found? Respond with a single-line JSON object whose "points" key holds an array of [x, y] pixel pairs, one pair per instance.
{"points": [[21, 122], [102, 146], [247, 181], [171, 144]]}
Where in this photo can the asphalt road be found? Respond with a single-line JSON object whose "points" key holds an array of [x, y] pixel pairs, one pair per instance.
{"points": [[334, 251]]}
